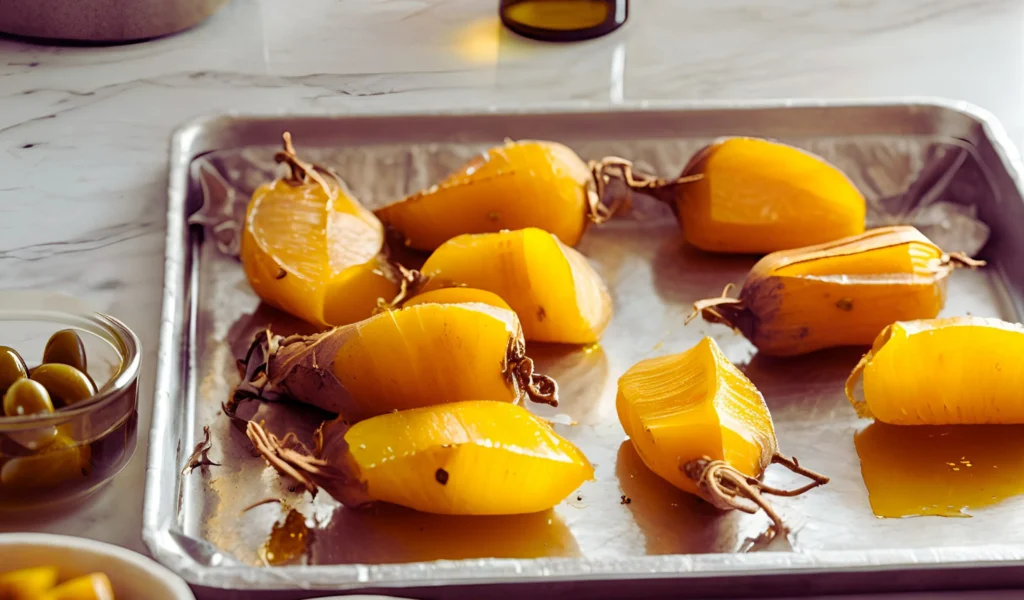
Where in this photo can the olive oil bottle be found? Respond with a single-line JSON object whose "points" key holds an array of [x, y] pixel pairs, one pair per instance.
{"points": [[564, 20]]}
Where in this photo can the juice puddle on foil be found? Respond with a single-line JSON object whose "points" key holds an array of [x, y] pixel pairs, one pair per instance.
{"points": [[940, 470], [288, 541], [386, 533]]}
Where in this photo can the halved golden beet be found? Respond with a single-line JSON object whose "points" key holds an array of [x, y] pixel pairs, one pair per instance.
{"points": [[461, 458], [310, 249], [516, 185], [554, 290], [755, 196], [457, 295], [841, 293], [958, 371], [399, 359], [701, 425]]}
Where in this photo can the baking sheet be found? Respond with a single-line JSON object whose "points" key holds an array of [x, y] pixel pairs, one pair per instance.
{"points": [[949, 176]]}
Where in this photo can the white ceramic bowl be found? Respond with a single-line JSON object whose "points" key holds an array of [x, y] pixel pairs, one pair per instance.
{"points": [[133, 575]]}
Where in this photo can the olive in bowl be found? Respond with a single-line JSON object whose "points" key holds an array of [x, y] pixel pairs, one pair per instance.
{"points": [[70, 404]]}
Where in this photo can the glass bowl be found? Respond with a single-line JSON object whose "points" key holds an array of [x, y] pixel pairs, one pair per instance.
{"points": [[95, 438]]}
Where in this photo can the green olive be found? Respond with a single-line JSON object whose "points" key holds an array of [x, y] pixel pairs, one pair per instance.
{"points": [[27, 397], [60, 463], [66, 384], [65, 347], [12, 368]]}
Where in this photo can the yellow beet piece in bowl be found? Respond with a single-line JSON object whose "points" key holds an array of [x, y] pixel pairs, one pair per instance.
{"points": [[27, 584], [95, 586], [40, 583]]}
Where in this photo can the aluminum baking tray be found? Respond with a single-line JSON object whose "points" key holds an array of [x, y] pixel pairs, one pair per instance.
{"points": [[941, 165]]}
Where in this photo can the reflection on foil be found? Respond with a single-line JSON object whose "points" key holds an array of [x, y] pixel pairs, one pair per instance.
{"points": [[938, 202], [672, 521], [945, 471], [385, 533]]}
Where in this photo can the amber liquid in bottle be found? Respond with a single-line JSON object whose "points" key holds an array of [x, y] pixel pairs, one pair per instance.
{"points": [[564, 20]]}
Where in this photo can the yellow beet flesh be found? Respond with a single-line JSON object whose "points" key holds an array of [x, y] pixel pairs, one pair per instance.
{"points": [[314, 255], [677, 409], [841, 293], [458, 295], [27, 584], [466, 458], [427, 354], [958, 371], [756, 196], [553, 289], [516, 185], [95, 586]]}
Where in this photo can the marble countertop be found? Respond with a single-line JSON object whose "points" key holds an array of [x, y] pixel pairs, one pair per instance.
{"points": [[84, 131]]}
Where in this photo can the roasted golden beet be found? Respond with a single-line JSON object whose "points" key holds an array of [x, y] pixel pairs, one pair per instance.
{"points": [[513, 186], [399, 359], [310, 249], [457, 295], [700, 424], [554, 290], [958, 371], [841, 293], [461, 458], [521, 184], [753, 196]]}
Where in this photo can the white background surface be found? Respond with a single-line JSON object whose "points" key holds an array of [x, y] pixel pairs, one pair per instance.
{"points": [[84, 131]]}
